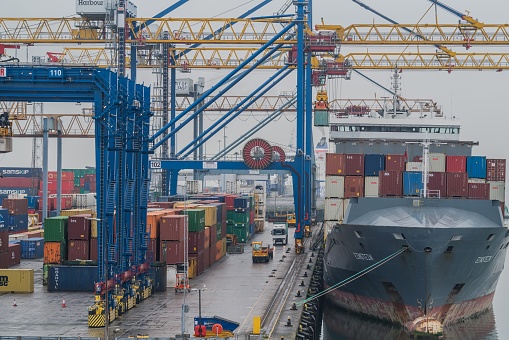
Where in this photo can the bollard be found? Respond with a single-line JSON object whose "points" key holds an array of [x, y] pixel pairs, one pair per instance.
{"points": [[308, 267], [14, 304], [301, 283], [289, 322], [310, 260], [312, 254], [298, 293], [305, 274], [294, 306]]}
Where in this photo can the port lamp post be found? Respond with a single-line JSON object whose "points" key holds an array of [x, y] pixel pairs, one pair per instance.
{"points": [[200, 329]]}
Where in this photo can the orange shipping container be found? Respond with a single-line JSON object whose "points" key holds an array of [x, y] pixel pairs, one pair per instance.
{"points": [[53, 252], [219, 250]]}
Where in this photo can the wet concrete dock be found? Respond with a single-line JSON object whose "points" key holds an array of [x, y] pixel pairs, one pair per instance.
{"points": [[233, 288]]}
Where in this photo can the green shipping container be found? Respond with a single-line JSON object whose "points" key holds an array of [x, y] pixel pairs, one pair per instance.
{"points": [[229, 228], [55, 229], [45, 270], [218, 228], [242, 234], [241, 217], [196, 219], [321, 118], [229, 216]]}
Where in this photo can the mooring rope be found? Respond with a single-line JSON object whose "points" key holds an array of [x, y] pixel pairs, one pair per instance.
{"points": [[353, 277]]}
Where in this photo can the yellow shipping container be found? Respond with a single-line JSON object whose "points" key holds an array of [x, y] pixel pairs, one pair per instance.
{"points": [[210, 214], [185, 204], [93, 226], [16, 280], [192, 269], [72, 212]]}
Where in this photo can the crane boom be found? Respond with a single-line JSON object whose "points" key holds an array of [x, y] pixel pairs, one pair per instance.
{"points": [[465, 17]]}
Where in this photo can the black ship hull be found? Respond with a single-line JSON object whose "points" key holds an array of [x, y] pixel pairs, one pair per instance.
{"points": [[455, 253]]}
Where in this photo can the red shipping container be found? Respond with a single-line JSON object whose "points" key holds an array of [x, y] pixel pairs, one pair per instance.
{"points": [[172, 227], [16, 206], [78, 227], [456, 164], [251, 216], [212, 255], [152, 253], [502, 206], [67, 186], [335, 163], [92, 187], [206, 258], [89, 178], [354, 186], [213, 235], [479, 191], [4, 260], [66, 176], [14, 254], [495, 169], [4, 239], [437, 184], [457, 184], [395, 163], [172, 252], [206, 242], [94, 249], [390, 183], [164, 205], [78, 250], [19, 182], [230, 201], [82, 182], [196, 240], [417, 159], [354, 164]]}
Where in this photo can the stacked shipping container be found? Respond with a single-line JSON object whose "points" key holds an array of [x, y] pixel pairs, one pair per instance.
{"points": [[373, 175]]}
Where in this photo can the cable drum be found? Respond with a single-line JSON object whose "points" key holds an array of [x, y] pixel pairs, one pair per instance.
{"points": [[278, 154], [257, 154]]}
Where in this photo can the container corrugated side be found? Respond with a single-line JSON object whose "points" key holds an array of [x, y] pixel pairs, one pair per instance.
{"points": [[476, 166], [373, 164], [457, 184], [395, 162], [456, 164], [55, 229], [334, 164], [414, 166], [354, 186], [334, 186], [436, 162], [371, 186], [437, 184], [335, 208], [480, 191], [72, 278], [354, 165], [497, 190], [495, 169], [412, 183], [16, 280], [391, 183]]}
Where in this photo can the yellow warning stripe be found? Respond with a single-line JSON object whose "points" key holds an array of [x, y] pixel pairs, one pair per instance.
{"points": [[95, 321]]}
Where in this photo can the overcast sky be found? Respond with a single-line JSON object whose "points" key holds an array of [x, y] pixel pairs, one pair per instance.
{"points": [[477, 98]]}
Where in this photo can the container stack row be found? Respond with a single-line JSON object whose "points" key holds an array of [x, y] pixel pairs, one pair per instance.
{"points": [[19, 181], [373, 175], [17, 214]]}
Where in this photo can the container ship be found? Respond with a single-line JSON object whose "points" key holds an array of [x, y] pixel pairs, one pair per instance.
{"points": [[413, 216]]}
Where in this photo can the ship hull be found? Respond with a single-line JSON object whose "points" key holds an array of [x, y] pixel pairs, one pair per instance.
{"points": [[448, 273]]}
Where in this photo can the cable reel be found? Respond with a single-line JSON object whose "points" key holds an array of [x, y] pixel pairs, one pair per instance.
{"points": [[278, 154], [257, 153]]}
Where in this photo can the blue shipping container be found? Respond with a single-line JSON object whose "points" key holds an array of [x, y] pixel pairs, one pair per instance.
{"points": [[33, 248], [5, 192], [52, 213], [33, 201], [412, 183], [241, 203], [72, 278], [18, 222], [20, 172], [4, 217], [373, 164], [476, 166]]}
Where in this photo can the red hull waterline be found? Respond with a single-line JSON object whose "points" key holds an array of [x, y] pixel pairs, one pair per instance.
{"points": [[409, 316]]}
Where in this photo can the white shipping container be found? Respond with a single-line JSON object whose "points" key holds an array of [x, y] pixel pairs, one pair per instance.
{"points": [[193, 187], [476, 180], [414, 166], [371, 186], [497, 190], [335, 186], [335, 208], [436, 162]]}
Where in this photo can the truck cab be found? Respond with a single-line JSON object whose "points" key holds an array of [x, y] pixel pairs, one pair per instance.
{"points": [[279, 233], [261, 252]]}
